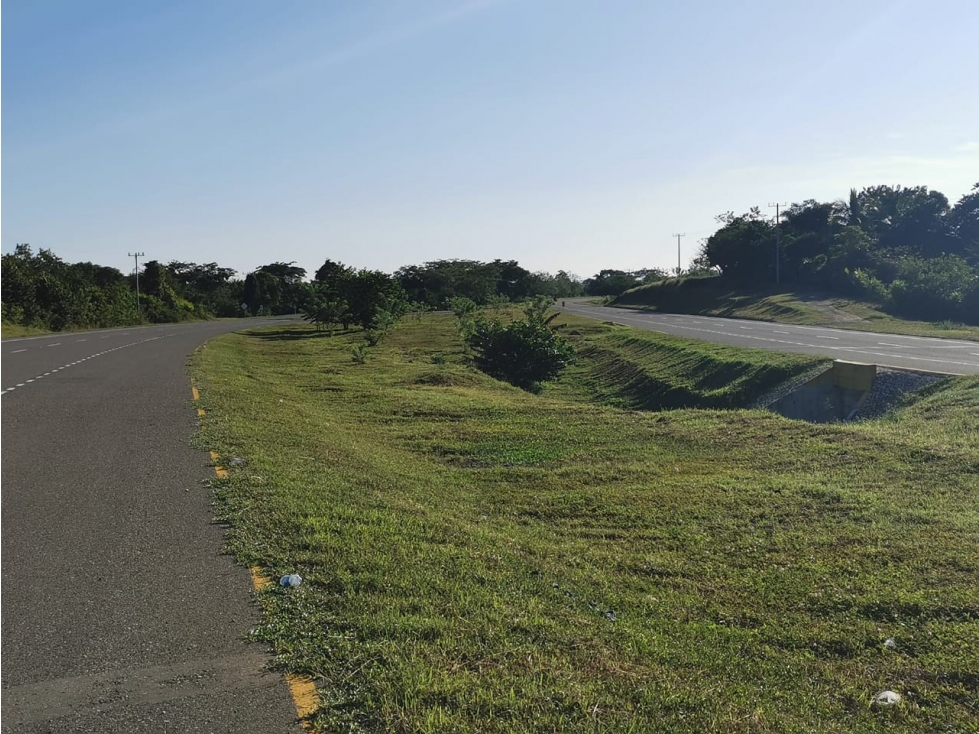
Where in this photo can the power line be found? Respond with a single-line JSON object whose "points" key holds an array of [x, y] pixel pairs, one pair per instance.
{"points": [[778, 239], [678, 268], [136, 256]]}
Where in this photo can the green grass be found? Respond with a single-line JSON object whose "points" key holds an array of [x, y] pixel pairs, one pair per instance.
{"points": [[478, 558], [706, 297], [625, 367], [14, 331], [873, 319]]}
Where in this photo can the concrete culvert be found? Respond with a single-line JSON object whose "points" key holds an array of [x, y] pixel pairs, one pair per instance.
{"points": [[850, 391]]}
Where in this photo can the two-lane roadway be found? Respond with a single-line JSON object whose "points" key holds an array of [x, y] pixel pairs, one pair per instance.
{"points": [[119, 612], [950, 356]]}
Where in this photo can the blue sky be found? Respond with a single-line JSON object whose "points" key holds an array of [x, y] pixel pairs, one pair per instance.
{"points": [[562, 134]]}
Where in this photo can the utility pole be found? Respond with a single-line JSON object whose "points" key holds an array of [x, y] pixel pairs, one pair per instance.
{"points": [[136, 256], [678, 268], [778, 240]]}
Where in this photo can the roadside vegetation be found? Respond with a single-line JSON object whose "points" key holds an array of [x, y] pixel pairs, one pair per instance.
{"points": [[905, 249], [890, 259], [481, 558], [15, 331]]}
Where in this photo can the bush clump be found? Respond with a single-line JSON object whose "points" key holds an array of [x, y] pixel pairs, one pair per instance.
{"points": [[523, 352]]}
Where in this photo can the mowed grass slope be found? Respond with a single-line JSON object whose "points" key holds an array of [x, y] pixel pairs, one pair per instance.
{"points": [[627, 367], [478, 558]]}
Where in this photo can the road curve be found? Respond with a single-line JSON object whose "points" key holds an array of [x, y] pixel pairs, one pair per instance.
{"points": [[119, 612], [950, 356]]}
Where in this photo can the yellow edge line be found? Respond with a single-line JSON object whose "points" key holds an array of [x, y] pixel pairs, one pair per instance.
{"points": [[302, 689], [259, 580], [219, 470], [303, 695]]}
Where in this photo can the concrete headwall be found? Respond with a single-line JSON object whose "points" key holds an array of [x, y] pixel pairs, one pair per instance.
{"points": [[832, 396]]}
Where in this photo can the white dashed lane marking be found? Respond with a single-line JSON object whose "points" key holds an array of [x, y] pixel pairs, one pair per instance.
{"points": [[856, 350], [84, 359], [56, 344]]}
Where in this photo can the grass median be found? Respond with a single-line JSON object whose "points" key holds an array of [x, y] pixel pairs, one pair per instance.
{"points": [[478, 558]]}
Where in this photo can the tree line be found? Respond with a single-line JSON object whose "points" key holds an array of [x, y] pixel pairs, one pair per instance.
{"points": [[41, 290], [905, 248]]}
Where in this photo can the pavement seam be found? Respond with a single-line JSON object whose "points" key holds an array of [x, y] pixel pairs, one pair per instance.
{"points": [[301, 687]]}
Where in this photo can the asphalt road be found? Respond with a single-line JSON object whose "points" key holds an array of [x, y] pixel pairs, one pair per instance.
{"points": [[119, 612], [951, 356]]}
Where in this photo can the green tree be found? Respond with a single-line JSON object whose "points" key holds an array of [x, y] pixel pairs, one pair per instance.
{"points": [[744, 248], [332, 272], [437, 282], [42, 290], [323, 311], [561, 285], [513, 281], [906, 220], [252, 295], [210, 287], [281, 285], [963, 222], [611, 283], [370, 292], [808, 233], [854, 215]]}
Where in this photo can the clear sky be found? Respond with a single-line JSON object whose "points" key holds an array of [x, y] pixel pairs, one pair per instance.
{"points": [[560, 133]]}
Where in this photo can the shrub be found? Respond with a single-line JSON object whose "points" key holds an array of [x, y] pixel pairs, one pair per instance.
{"points": [[462, 306], [523, 353], [933, 289], [359, 353]]}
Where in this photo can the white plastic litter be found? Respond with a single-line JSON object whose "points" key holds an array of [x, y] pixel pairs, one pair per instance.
{"points": [[887, 698], [291, 579], [890, 643]]}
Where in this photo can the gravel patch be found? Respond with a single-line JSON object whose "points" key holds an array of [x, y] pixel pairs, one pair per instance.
{"points": [[890, 390]]}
